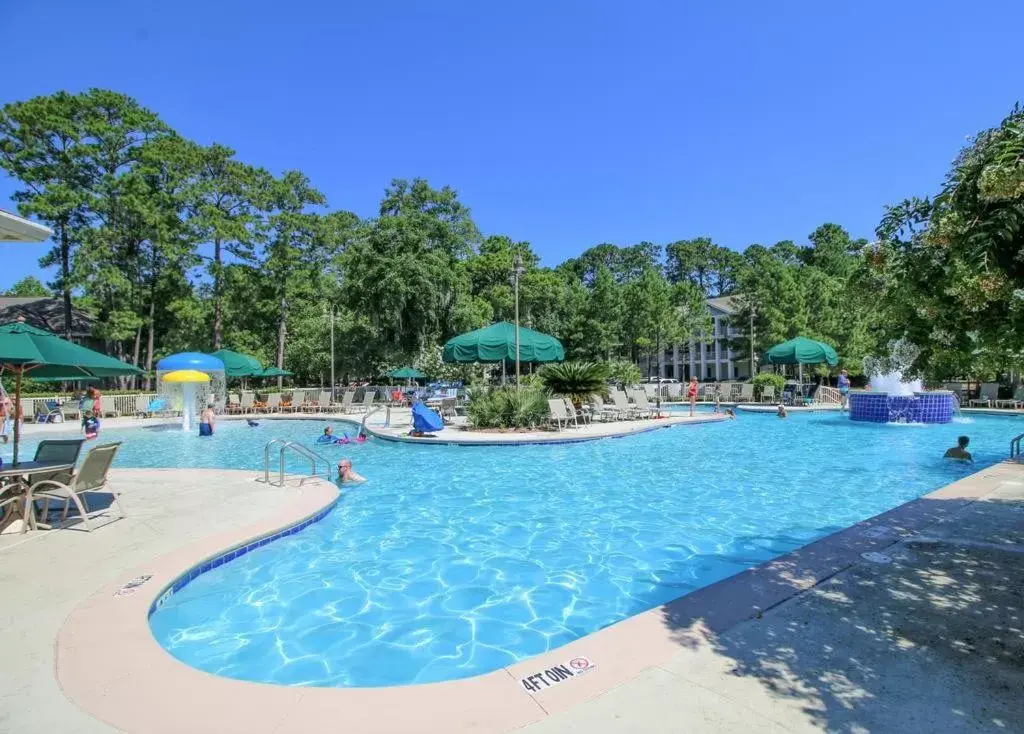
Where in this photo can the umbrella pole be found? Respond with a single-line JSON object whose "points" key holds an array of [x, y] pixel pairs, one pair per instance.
{"points": [[17, 410]]}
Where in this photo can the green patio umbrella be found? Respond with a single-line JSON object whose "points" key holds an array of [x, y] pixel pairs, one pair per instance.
{"points": [[801, 351], [26, 350], [273, 371], [497, 343], [406, 373], [237, 364]]}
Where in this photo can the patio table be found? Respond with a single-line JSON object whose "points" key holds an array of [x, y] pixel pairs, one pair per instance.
{"points": [[14, 485]]}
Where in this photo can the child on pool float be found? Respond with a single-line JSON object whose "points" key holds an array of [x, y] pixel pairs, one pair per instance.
{"points": [[329, 437]]}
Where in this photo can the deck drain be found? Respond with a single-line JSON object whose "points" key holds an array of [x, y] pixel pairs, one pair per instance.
{"points": [[875, 557]]}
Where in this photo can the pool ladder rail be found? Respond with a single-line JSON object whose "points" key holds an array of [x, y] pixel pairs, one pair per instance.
{"points": [[1015, 447], [314, 459]]}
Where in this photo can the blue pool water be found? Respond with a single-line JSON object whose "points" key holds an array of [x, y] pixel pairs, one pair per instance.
{"points": [[456, 561]]}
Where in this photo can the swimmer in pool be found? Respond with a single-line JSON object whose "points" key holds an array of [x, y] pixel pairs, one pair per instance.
{"points": [[251, 423], [327, 437], [959, 452], [730, 414], [347, 475], [783, 413]]}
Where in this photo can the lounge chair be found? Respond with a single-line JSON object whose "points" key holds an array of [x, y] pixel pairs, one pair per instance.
{"points": [[259, 406], [245, 405], [147, 407], [346, 401], [69, 411], [606, 412], [274, 402], [233, 404], [90, 478], [557, 414], [108, 407], [368, 397], [987, 396], [294, 402], [725, 391], [578, 416], [621, 402], [45, 411], [768, 394], [643, 407], [746, 394], [1015, 402]]}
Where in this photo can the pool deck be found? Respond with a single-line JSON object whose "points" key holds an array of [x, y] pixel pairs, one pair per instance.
{"points": [[924, 633]]}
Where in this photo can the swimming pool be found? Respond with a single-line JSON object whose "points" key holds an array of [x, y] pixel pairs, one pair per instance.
{"points": [[456, 561]]}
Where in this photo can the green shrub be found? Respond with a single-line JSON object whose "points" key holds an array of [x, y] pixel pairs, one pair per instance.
{"points": [[622, 372], [507, 407], [763, 379], [575, 380]]}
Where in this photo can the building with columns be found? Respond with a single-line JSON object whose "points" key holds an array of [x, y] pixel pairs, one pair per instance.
{"points": [[708, 357]]}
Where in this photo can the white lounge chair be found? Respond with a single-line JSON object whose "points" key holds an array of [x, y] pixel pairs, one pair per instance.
{"points": [[108, 407], [768, 394], [607, 412], [368, 397], [90, 478], [746, 394], [643, 406], [557, 414], [1015, 402], [621, 403], [578, 416], [987, 396], [346, 402]]}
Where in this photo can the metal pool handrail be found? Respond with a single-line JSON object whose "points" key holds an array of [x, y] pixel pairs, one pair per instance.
{"points": [[1015, 446], [299, 449]]}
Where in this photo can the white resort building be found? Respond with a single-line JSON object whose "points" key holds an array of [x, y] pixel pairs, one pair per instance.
{"points": [[709, 357]]}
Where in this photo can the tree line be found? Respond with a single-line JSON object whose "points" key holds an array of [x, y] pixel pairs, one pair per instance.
{"points": [[174, 246]]}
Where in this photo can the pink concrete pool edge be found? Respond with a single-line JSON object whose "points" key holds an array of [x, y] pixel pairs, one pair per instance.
{"points": [[110, 665]]}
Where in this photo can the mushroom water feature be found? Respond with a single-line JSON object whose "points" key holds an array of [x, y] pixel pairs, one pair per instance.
{"points": [[191, 380]]}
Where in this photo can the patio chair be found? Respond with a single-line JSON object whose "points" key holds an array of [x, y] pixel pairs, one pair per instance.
{"points": [[259, 406], [234, 403], [108, 407], [725, 391], [45, 411], [557, 414], [768, 394], [987, 396], [606, 412], [578, 416], [746, 394], [294, 401], [90, 478], [788, 394], [346, 402], [245, 405], [368, 397], [621, 403], [1016, 402], [274, 402], [69, 411], [643, 406], [62, 450]]}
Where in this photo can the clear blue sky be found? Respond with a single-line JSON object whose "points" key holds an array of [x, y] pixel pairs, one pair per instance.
{"points": [[563, 123]]}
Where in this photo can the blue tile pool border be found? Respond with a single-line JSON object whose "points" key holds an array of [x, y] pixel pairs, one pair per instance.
{"points": [[231, 554]]}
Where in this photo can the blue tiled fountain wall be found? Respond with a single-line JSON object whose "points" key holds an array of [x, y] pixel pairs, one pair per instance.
{"points": [[921, 407]]}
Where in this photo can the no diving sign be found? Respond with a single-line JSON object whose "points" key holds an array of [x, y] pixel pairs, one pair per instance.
{"points": [[558, 673]]}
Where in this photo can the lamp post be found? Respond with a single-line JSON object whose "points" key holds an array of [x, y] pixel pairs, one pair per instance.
{"points": [[330, 316], [517, 270], [751, 341]]}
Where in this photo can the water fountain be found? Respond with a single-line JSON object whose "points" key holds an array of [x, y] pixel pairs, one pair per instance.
{"points": [[891, 399], [190, 393]]}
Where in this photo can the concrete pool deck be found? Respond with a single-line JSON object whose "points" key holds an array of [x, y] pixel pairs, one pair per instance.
{"points": [[925, 636]]}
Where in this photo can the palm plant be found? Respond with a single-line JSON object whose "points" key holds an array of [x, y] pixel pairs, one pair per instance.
{"points": [[575, 380]]}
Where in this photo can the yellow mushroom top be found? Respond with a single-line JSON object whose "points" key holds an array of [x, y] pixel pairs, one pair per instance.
{"points": [[186, 376]]}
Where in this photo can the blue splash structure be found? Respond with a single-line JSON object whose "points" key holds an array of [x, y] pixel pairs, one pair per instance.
{"points": [[921, 407]]}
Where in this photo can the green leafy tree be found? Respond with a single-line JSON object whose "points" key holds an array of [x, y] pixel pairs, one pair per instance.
{"points": [[950, 269], [28, 286]]}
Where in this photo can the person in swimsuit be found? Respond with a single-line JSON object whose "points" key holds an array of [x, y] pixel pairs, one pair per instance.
{"points": [[691, 392], [346, 475], [207, 421], [783, 413], [843, 383], [959, 452]]}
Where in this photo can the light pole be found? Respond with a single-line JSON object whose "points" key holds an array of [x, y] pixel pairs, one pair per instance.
{"points": [[751, 341], [331, 317], [517, 270]]}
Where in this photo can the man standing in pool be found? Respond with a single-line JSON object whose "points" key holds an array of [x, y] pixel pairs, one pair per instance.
{"points": [[691, 392], [346, 475], [843, 383], [959, 452], [207, 421]]}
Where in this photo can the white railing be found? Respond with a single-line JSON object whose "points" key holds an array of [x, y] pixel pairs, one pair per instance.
{"points": [[123, 404], [828, 395]]}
